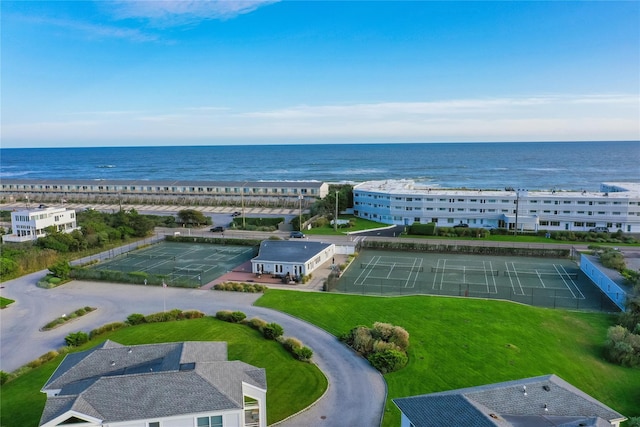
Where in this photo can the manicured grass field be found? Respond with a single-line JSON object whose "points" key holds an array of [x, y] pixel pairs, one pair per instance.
{"points": [[292, 385], [456, 343], [360, 225], [4, 302]]}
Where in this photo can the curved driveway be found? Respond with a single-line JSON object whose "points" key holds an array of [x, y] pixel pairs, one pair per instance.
{"points": [[356, 394]]}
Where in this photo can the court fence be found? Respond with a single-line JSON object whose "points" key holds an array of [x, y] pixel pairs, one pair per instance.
{"points": [[593, 300], [463, 249]]}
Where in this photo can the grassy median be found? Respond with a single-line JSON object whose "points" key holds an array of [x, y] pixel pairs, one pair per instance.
{"points": [[457, 342], [292, 385]]}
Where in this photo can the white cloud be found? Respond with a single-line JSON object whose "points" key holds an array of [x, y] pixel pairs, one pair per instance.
{"points": [[183, 12], [540, 118], [91, 30]]}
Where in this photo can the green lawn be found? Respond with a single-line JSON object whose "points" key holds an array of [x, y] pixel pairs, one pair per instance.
{"points": [[292, 385], [4, 302], [360, 225], [459, 343]]}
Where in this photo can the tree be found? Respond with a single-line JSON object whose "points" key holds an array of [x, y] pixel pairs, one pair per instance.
{"points": [[60, 269], [191, 217]]}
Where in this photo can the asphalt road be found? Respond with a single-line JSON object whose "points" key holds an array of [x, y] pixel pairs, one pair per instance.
{"points": [[356, 393]]}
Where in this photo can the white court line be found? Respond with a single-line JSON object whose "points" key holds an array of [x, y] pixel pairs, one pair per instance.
{"points": [[365, 272], [516, 276], [493, 278], [565, 281]]}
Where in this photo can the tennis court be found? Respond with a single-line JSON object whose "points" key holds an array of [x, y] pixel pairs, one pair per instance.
{"points": [[191, 264], [535, 281]]}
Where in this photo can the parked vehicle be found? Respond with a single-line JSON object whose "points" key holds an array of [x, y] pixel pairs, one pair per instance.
{"points": [[236, 213], [297, 234], [217, 229], [599, 230], [461, 225]]}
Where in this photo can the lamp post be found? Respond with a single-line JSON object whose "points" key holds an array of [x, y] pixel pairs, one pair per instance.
{"points": [[242, 198], [515, 231], [300, 197], [335, 218]]}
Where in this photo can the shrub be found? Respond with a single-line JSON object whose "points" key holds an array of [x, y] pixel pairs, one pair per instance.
{"points": [[76, 339], [231, 316], [271, 331], [4, 377], [192, 314], [136, 319], [114, 326], [388, 360], [256, 323], [622, 347], [291, 343], [303, 353]]}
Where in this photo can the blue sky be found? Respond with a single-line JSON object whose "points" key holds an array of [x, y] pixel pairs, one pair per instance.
{"points": [[120, 72]]}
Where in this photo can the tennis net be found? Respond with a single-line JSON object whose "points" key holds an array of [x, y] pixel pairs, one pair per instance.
{"points": [[405, 267], [187, 271], [540, 274], [465, 270], [149, 256]]}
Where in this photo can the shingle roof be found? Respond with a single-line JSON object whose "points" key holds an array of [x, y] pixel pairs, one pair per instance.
{"points": [[289, 251], [119, 383], [506, 404]]}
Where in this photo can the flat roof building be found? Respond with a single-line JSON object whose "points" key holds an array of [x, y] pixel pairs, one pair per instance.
{"points": [[404, 202], [30, 224]]}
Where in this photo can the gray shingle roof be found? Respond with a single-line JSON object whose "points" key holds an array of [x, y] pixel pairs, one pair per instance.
{"points": [[119, 383], [505, 404], [289, 250]]}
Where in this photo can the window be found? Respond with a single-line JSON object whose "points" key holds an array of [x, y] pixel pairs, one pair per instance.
{"points": [[154, 424], [214, 421]]}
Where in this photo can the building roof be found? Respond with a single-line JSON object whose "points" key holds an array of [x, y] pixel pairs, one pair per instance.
{"points": [[115, 383], [411, 187], [145, 183], [291, 251], [549, 401]]}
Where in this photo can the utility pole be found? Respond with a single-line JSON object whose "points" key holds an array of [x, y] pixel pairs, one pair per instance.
{"points": [[335, 218], [300, 219], [242, 198]]}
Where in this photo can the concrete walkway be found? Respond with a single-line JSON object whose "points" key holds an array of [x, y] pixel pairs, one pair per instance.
{"points": [[356, 394]]}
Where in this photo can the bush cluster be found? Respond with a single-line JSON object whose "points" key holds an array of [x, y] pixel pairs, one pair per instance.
{"points": [[623, 347], [43, 359], [109, 327], [272, 331], [240, 287], [76, 339], [63, 319], [296, 348], [384, 345], [231, 316]]}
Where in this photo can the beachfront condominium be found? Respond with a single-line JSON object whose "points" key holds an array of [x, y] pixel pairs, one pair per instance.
{"points": [[404, 202]]}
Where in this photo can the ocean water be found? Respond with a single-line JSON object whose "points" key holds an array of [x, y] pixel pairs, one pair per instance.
{"points": [[548, 165]]}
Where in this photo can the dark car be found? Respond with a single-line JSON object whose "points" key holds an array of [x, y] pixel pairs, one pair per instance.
{"points": [[461, 225], [599, 230], [236, 213], [217, 229], [297, 234]]}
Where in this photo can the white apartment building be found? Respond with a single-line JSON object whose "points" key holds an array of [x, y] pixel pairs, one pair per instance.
{"points": [[30, 224], [403, 202]]}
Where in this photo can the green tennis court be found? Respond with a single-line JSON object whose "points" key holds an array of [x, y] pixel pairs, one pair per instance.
{"points": [[535, 281], [192, 264]]}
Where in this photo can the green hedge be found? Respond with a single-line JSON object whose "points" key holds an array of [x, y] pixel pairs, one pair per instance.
{"points": [[464, 249], [214, 240], [428, 229]]}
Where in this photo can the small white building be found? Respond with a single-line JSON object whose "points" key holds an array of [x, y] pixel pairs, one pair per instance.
{"points": [[30, 224], [156, 385], [289, 257]]}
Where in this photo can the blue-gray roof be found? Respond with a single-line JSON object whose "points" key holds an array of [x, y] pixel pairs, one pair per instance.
{"points": [[291, 251], [119, 383], [547, 398]]}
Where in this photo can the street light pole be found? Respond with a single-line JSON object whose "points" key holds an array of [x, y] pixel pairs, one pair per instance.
{"points": [[515, 231], [300, 219], [242, 198], [335, 218]]}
